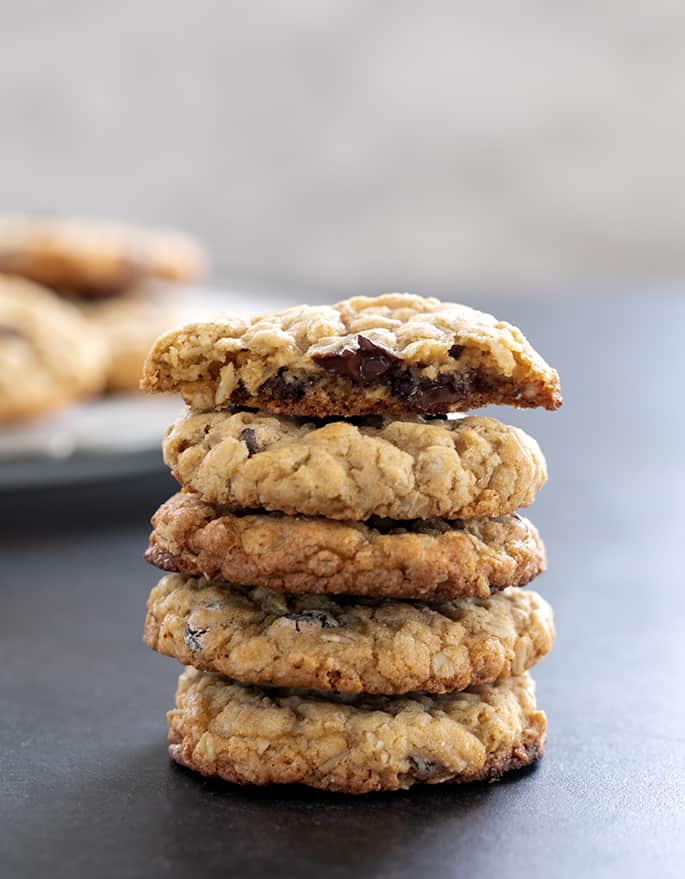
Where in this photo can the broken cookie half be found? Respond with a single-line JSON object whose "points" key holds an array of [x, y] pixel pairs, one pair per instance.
{"points": [[393, 354]]}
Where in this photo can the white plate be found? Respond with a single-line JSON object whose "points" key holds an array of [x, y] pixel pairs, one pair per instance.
{"points": [[110, 437], [103, 439]]}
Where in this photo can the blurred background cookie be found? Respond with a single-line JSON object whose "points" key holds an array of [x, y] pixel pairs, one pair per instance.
{"points": [[87, 257], [130, 323], [50, 355], [125, 280]]}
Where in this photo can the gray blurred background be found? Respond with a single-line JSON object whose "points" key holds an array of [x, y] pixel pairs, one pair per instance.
{"points": [[355, 146]]}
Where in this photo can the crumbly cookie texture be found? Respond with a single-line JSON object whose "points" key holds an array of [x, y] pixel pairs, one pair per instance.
{"points": [[251, 735], [406, 469], [50, 355], [130, 323], [423, 558], [95, 257], [393, 354], [354, 645]]}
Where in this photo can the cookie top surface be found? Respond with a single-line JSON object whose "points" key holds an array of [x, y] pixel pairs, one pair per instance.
{"points": [[401, 469], [95, 257], [422, 558], [49, 354], [252, 735], [396, 354], [351, 645]]}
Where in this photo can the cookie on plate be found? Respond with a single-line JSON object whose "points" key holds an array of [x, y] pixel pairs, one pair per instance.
{"points": [[353, 744], [49, 354], [130, 323], [420, 558], [407, 469], [393, 354], [95, 257], [348, 645]]}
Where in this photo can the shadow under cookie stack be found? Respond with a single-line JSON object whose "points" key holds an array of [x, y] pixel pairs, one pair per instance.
{"points": [[346, 559]]}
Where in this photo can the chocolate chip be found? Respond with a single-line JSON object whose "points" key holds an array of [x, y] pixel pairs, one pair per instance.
{"points": [[281, 387], [240, 394], [456, 351], [423, 769], [306, 617], [433, 395], [192, 637], [363, 363], [402, 385], [249, 437]]}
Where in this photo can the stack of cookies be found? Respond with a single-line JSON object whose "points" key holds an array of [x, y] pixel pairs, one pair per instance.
{"points": [[81, 301], [346, 559]]}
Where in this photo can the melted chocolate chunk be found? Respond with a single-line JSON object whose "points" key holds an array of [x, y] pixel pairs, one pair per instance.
{"points": [[240, 394], [363, 364], [456, 351], [192, 637], [306, 617], [402, 384], [249, 437], [282, 388], [432, 395]]}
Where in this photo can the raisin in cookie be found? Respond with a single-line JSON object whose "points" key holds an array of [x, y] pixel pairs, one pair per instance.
{"points": [[251, 735], [94, 257], [348, 645], [407, 469], [396, 354], [49, 354], [421, 558]]}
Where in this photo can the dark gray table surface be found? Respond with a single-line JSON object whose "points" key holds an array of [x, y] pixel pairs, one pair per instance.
{"points": [[87, 788]]}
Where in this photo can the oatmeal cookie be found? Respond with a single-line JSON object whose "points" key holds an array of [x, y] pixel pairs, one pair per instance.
{"points": [[348, 645], [358, 744], [407, 469], [95, 257], [394, 354], [50, 355], [420, 558]]}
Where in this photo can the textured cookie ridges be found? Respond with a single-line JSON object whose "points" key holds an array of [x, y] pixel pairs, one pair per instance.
{"points": [[250, 735], [50, 355], [467, 468], [94, 257], [392, 354], [257, 636], [431, 559]]}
